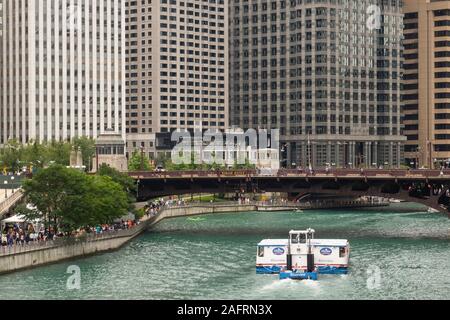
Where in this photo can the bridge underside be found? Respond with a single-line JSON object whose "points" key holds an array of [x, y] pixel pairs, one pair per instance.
{"points": [[433, 194]]}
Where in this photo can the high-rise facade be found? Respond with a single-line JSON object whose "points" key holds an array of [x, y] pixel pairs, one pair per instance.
{"points": [[426, 98], [327, 73], [177, 68], [62, 66]]}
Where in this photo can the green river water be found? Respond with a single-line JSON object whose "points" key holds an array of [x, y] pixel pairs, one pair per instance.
{"points": [[397, 252]]}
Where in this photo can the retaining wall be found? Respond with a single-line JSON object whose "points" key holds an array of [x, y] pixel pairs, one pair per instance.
{"points": [[41, 255]]}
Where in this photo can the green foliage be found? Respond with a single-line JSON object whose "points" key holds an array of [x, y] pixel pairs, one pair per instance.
{"points": [[67, 199], [246, 165], [14, 156], [11, 155], [126, 182], [139, 162], [139, 214], [170, 166], [87, 147], [59, 153]]}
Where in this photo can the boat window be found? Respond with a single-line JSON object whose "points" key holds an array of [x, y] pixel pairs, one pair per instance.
{"points": [[260, 251], [342, 252], [302, 238], [294, 238]]}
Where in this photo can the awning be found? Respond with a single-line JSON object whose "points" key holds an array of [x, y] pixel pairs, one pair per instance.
{"points": [[16, 219]]}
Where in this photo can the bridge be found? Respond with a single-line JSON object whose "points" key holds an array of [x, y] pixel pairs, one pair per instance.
{"points": [[10, 192], [428, 187]]}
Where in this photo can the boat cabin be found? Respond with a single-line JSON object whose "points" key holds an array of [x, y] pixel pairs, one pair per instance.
{"points": [[330, 255], [271, 255]]}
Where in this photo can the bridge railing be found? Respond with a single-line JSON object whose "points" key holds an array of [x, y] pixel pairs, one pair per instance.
{"points": [[10, 201], [293, 173]]}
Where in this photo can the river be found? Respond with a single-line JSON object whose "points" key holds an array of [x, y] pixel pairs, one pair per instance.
{"points": [[397, 252]]}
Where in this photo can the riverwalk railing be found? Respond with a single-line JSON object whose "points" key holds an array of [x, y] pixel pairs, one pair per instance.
{"points": [[319, 172], [35, 245], [287, 204]]}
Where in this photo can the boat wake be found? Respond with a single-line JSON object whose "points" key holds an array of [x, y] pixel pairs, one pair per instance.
{"points": [[289, 283]]}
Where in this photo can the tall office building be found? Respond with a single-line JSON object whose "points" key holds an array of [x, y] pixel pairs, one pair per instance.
{"points": [[325, 73], [426, 95], [61, 69], [177, 69]]}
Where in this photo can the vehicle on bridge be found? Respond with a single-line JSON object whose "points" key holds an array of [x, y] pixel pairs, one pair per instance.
{"points": [[329, 256]]}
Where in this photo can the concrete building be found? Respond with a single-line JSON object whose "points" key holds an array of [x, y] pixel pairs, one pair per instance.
{"points": [[323, 73], [61, 69], [110, 150], [426, 97], [177, 69]]}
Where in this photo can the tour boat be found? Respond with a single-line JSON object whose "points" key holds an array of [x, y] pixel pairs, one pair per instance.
{"points": [[330, 256]]}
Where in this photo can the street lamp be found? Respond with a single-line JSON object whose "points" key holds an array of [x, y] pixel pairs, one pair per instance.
{"points": [[137, 188], [12, 183], [6, 189]]}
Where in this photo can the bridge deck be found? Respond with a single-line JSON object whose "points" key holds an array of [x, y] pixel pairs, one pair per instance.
{"points": [[295, 174]]}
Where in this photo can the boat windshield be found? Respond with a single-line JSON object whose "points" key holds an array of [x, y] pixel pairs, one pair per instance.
{"points": [[302, 238], [298, 238], [342, 252]]}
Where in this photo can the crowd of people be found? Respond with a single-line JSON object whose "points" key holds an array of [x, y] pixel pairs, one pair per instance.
{"points": [[154, 207], [24, 234]]}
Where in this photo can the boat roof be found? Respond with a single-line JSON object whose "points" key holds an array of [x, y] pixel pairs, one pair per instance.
{"points": [[273, 242], [315, 242], [330, 242]]}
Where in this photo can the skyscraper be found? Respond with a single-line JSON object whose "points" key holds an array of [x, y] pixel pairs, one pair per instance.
{"points": [[177, 68], [426, 95], [327, 73], [61, 69]]}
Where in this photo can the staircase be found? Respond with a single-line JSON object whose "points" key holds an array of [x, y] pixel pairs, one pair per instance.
{"points": [[10, 202]]}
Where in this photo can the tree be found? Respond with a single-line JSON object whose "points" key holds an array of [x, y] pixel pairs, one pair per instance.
{"points": [[87, 147], [36, 154], [59, 152], [11, 155], [139, 162], [67, 199], [126, 182]]}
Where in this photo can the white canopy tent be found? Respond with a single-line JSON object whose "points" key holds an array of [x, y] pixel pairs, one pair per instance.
{"points": [[18, 218], [15, 219]]}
